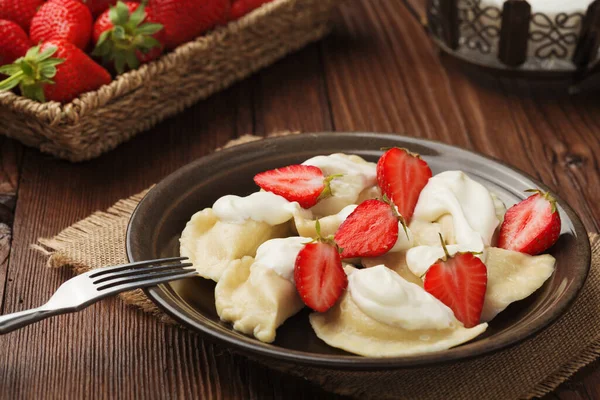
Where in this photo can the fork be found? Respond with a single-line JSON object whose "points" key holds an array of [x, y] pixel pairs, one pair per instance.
{"points": [[87, 288]]}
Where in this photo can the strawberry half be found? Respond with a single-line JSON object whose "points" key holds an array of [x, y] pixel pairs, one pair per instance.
{"points": [[460, 283], [370, 231], [531, 226], [302, 183], [402, 175], [319, 275]]}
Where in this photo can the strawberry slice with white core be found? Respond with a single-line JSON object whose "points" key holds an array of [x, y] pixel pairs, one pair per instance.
{"points": [[302, 183], [402, 175], [531, 226], [370, 231], [460, 282], [319, 275]]}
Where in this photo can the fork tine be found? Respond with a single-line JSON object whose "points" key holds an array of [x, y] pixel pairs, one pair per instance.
{"points": [[124, 284], [123, 267], [140, 272]]}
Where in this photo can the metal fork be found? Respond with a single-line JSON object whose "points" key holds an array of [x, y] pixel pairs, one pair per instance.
{"points": [[85, 289]]}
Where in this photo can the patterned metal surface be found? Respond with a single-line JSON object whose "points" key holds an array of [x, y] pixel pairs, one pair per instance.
{"points": [[479, 26], [555, 38]]}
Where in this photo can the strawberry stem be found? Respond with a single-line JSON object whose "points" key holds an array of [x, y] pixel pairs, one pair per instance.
{"points": [[446, 254], [401, 219], [327, 186]]}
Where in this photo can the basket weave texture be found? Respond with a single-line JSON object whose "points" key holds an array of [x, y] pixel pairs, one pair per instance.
{"points": [[99, 121]]}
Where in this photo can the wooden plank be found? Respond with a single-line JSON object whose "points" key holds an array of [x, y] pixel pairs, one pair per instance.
{"points": [[109, 350], [10, 158]]}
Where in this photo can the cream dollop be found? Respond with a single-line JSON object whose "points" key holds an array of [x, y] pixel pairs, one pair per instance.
{"points": [[357, 175], [260, 206], [280, 255], [473, 216], [388, 298]]}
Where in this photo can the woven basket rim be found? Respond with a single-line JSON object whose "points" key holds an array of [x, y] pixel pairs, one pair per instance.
{"points": [[55, 112]]}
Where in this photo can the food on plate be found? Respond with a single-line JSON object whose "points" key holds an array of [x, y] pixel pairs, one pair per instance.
{"points": [[127, 36], [382, 315], [14, 42], [67, 20], [121, 35], [426, 286]]}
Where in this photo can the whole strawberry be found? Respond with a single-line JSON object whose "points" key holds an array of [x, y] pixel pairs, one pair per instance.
{"points": [[55, 70], [14, 42], [239, 8], [185, 20], [97, 7], [67, 20], [126, 36], [19, 11], [531, 226]]}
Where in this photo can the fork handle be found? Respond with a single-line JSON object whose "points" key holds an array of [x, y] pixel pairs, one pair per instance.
{"points": [[11, 322]]}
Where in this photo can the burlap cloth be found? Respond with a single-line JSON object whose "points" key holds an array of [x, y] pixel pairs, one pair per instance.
{"points": [[530, 369]]}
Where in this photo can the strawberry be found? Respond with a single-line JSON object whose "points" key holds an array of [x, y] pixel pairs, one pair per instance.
{"points": [[531, 226], [19, 11], [302, 183], [185, 20], [97, 7], [239, 8], [460, 283], [126, 36], [66, 20], [370, 231], [55, 70], [14, 42], [319, 275], [402, 175]]}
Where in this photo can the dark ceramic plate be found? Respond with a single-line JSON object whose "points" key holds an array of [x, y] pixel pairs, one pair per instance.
{"points": [[161, 216]]}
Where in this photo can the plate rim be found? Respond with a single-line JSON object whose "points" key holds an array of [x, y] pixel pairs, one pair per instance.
{"points": [[159, 295]]}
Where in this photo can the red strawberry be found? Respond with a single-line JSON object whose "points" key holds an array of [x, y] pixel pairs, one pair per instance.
{"points": [[302, 183], [370, 231], [97, 7], [460, 283], [42, 77], [14, 42], [19, 11], [239, 8], [402, 175], [126, 36], [320, 278], [185, 20], [531, 226], [62, 20]]}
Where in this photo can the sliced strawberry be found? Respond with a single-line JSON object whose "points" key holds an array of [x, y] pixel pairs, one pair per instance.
{"points": [[370, 231], [460, 283], [302, 183], [531, 226], [402, 175], [320, 278]]}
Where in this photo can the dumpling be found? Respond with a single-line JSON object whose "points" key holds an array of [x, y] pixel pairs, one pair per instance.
{"points": [[235, 227], [358, 179], [396, 261], [329, 225], [512, 276], [382, 315], [255, 299]]}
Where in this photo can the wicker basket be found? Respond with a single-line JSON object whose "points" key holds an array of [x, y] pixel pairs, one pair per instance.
{"points": [[99, 121]]}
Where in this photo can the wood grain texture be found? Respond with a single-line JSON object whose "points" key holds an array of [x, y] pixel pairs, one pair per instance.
{"points": [[376, 72]]}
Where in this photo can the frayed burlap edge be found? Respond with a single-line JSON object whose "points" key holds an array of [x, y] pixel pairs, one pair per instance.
{"points": [[122, 210]]}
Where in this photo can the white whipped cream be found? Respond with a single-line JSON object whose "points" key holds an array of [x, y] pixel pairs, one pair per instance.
{"points": [[260, 206], [388, 298], [473, 215], [280, 255], [357, 175]]}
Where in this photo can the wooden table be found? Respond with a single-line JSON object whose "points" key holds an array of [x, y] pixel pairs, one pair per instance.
{"points": [[376, 72]]}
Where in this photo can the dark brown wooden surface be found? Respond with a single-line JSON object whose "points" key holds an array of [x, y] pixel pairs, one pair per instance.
{"points": [[376, 72]]}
